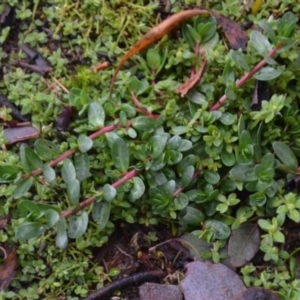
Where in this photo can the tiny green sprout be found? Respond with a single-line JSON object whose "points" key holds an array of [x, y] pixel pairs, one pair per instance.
{"points": [[226, 202], [288, 204], [269, 109]]}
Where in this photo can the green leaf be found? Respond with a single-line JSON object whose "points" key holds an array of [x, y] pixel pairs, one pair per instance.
{"points": [[78, 225], [46, 149], [84, 143], [158, 143], [196, 36], [267, 73], [187, 176], [30, 161], [191, 216], [96, 115], [153, 58], [109, 192], [52, 217], [68, 171], [285, 154], [268, 161], [287, 24], [29, 230], [137, 86], [61, 239], [228, 159], [260, 42], [258, 199], [101, 212], [243, 173], [23, 185], [120, 155], [8, 173], [240, 59], [187, 36], [27, 206], [138, 188], [73, 191], [211, 177], [228, 118], [181, 201], [143, 123], [172, 157], [49, 173], [82, 166], [221, 230], [189, 160], [269, 31], [244, 139]]}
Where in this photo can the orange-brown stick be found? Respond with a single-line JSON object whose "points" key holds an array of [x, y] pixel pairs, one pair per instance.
{"points": [[155, 34]]}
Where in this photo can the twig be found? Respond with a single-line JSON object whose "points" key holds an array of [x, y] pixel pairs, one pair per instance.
{"points": [[247, 76], [126, 282]]}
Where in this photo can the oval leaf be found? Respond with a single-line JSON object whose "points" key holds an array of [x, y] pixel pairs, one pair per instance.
{"points": [[120, 155], [68, 171], [243, 244], [23, 185], [285, 154], [101, 212], [78, 225], [109, 192], [73, 191], [61, 239], [30, 230], [96, 115], [84, 143], [138, 188]]}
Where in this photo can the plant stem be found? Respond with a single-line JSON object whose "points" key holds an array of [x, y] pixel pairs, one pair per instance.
{"points": [[247, 76], [71, 152], [92, 199]]}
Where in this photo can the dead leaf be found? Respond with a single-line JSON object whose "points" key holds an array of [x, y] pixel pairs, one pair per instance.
{"points": [[243, 244], [36, 63], [155, 34], [63, 120], [3, 221], [15, 113], [184, 88], [205, 280], [18, 134], [257, 293], [234, 33], [7, 270]]}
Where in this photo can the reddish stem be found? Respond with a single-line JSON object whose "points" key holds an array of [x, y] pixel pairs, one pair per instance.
{"points": [[247, 76], [92, 199], [71, 152], [178, 191]]}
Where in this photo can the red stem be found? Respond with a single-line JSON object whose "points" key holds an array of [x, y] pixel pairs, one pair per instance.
{"points": [[178, 191], [92, 199], [71, 152], [247, 76]]}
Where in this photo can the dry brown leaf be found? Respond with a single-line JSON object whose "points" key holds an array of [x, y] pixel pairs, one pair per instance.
{"points": [[234, 33], [236, 36], [18, 134], [155, 34], [7, 270], [3, 221], [184, 88]]}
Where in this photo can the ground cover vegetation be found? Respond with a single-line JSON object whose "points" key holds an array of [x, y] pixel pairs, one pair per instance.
{"points": [[199, 133]]}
